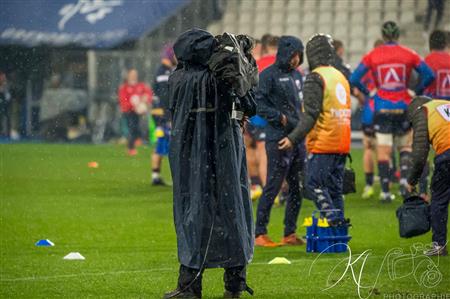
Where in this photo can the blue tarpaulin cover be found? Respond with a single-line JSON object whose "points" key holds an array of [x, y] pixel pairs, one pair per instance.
{"points": [[87, 23]]}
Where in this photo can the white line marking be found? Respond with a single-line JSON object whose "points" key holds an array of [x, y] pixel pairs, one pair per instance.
{"points": [[36, 278]]}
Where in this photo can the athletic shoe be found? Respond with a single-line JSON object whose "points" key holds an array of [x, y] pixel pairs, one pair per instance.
{"points": [[293, 240], [177, 293], [436, 250], [368, 192], [277, 202], [229, 294], [158, 182], [265, 241], [132, 152], [386, 197], [138, 142], [256, 192]]}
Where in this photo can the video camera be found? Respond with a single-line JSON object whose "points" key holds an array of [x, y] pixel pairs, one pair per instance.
{"points": [[233, 63]]}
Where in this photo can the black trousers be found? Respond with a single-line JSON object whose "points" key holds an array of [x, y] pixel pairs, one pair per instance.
{"points": [[440, 198], [438, 5], [235, 279], [281, 165], [134, 132], [324, 183]]}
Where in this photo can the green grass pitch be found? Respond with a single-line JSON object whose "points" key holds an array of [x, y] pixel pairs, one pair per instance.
{"points": [[124, 228]]}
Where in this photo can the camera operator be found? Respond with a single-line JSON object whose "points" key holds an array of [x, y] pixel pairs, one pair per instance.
{"points": [[212, 207]]}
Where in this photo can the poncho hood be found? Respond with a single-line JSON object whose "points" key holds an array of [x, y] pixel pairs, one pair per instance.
{"points": [[194, 47]]}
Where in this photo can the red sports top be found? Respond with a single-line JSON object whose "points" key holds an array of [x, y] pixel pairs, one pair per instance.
{"points": [[127, 91], [391, 65], [439, 61], [265, 61]]}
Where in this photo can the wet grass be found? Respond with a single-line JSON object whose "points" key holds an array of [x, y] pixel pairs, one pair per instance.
{"points": [[124, 228]]}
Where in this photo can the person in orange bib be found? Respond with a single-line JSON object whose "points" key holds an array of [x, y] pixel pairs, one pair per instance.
{"points": [[431, 124], [326, 125]]}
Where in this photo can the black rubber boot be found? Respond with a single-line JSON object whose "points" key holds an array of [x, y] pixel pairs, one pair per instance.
{"points": [[189, 284], [235, 282]]}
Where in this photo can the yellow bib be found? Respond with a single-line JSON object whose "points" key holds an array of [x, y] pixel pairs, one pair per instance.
{"points": [[438, 112], [331, 133]]}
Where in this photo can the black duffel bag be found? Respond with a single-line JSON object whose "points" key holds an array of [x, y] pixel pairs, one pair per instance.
{"points": [[414, 217]]}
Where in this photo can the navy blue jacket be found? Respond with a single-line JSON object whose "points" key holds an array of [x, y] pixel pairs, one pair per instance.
{"points": [[161, 90], [280, 91]]}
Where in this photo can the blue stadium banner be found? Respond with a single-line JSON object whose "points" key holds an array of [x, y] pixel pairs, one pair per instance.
{"points": [[86, 23]]}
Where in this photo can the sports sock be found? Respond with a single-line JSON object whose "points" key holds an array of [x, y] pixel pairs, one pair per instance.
{"points": [[369, 178], [156, 173], [255, 180], [383, 170], [405, 164]]}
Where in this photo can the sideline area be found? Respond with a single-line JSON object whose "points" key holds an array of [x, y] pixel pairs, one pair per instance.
{"points": [[124, 228]]}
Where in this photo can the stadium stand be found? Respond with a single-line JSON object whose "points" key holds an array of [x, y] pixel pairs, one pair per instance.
{"points": [[358, 27]]}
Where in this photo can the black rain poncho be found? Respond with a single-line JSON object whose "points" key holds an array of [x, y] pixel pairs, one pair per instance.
{"points": [[207, 161]]}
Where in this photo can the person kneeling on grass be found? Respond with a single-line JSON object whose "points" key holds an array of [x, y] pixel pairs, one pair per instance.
{"points": [[212, 206], [431, 124], [326, 124]]}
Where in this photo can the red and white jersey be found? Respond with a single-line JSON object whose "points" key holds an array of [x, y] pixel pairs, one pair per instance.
{"points": [[128, 92], [439, 61]]}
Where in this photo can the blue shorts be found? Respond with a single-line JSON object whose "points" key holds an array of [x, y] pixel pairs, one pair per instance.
{"points": [[162, 146]]}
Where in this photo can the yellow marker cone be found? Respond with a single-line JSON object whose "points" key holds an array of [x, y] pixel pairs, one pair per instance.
{"points": [[280, 261]]}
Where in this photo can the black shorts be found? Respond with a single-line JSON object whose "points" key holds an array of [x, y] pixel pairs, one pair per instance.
{"points": [[389, 123], [256, 133]]}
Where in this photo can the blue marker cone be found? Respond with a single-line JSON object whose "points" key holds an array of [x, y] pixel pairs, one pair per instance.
{"points": [[45, 242]]}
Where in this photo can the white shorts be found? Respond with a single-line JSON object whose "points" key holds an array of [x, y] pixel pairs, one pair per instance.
{"points": [[390, 139]]}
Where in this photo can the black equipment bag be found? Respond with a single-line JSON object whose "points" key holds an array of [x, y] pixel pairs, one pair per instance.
{"points": [[413, 217], [349, 184]]}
